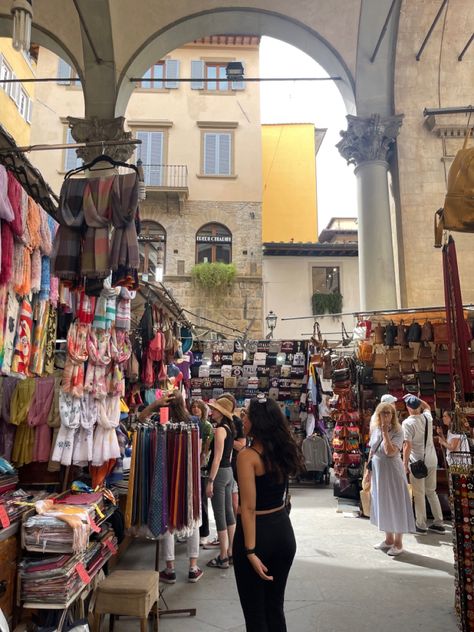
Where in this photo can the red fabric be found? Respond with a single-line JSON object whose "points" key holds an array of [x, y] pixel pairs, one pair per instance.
{"points": [[7, 254], [14, 195], [458, 335]]}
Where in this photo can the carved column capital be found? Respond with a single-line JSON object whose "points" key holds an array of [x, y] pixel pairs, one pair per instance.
{"points": [[95, 129], [368, 138]]}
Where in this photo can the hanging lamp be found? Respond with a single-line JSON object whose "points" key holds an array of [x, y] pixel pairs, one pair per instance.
{"points": [[22, 11]]}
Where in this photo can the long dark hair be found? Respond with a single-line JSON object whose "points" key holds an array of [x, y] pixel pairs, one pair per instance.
{"points": [[178, 412], [281, 456]]}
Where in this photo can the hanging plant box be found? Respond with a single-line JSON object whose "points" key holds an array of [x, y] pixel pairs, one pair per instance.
{"points": [[214, 276], [326, 303]]}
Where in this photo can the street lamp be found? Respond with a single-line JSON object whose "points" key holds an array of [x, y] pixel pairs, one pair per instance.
{"points": [[22, 11], [271, 320]]}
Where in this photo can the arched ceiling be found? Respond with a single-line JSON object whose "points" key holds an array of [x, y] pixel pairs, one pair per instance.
{"points": [[128, 36]]}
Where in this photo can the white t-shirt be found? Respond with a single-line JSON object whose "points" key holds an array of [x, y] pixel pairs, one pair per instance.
{"points": [[463, 447], [414, 431]]}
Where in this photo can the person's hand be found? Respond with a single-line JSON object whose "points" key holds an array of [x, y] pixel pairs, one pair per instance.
{"points": [[440, 432], [210, 489], [259, 567], [164, 400]]}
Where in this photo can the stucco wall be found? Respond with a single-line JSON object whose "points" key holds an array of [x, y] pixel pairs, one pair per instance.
{"points": [[288, 290], [437, 80]]}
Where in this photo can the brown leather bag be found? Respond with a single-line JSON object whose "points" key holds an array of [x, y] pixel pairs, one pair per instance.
{"points": [[379, 334], [425, 364], [402, 332], [441, 333], [380, 360], [458, 211], [393, 371], [406, 366], [379, 376], [427, 332], [407, 354], [393, 356], [442, 355]]}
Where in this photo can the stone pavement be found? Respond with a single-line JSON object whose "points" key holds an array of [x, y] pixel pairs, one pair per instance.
{"points": [[338, 582]]}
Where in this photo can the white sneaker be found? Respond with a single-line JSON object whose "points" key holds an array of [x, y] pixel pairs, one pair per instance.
{"points": [[383, 546], [393, 551]]}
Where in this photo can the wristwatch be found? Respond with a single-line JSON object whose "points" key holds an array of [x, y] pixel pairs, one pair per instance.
{"points": [[210, 480]]}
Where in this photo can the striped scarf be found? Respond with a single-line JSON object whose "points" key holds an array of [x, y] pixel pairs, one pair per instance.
{"points": [[124, 250], [68, 240], [97, 213]]}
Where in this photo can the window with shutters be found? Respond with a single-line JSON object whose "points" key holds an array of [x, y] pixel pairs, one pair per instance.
{"points": [[151, 153], [152, 248], [217, 153], [71, 160], [67, 76], [213, 244], [211, 76], [161, 76]]}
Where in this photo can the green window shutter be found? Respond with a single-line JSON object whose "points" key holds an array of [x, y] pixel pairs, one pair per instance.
{"points": [[64, 73], [171, 73], [197, 75]]}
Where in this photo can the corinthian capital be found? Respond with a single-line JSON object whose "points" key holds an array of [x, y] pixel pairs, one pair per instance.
{"points": [[368, 138], [94, 129]]}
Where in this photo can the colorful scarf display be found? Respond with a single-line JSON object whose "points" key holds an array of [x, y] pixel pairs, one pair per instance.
{"points": [[98, 347], [38, 418], [68, 240], [97, 214], [22, 350], [77, 354], [124, 250]]}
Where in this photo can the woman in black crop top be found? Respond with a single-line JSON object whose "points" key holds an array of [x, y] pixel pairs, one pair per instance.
{"points": [[264, 544], [221, 479]]}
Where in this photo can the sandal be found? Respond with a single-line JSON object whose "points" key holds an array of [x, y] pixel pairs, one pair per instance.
{"points": [[218, 562], [231, 560]]}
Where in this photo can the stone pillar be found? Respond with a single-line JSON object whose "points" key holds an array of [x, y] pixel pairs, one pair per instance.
{"points": [[366, 144], [95, 129]]}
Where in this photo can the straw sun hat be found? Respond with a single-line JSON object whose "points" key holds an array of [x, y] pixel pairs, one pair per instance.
{"points": [[222, 405]]}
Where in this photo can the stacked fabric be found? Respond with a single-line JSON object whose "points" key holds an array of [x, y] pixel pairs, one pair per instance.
{"points": [[51, 580], [8, 477]]}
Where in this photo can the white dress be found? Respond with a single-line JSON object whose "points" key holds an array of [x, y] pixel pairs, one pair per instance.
{"points": [[391, 507]]}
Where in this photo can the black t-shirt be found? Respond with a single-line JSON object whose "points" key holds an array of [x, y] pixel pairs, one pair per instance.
{"points": [[239, 434]]}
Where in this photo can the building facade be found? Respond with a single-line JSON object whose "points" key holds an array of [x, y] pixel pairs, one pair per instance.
{"points": [[16, 99], [201, 156]]}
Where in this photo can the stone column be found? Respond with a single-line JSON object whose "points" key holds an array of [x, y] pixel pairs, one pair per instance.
{"points": [[366, 144], [95, 129]]}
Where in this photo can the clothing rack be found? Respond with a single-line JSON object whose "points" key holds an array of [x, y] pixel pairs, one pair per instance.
{"points": [[381, 312], [46, 147]]}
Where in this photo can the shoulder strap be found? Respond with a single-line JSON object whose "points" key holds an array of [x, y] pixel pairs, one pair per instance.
{"points": [[426, 434], [255, 450]]}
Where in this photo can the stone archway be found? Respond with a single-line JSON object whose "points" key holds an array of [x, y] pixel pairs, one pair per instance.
{"points": [[235, 22]]}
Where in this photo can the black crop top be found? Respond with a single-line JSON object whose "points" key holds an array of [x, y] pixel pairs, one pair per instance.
{"points": [[268, 493], [228, 447]]}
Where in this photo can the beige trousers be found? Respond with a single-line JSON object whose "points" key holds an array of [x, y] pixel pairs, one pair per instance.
{"points": [[422, 487]]}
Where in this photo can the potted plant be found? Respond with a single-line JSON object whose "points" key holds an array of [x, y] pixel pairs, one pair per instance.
{"points": [[326, 303], [214, 276]]}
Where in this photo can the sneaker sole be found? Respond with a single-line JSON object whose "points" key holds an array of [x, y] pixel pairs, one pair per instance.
{"points": [[167, 581], [194, 580], [421, 533]]}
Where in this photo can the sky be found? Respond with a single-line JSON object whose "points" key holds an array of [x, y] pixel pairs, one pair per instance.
{"points": [[317, 102]]}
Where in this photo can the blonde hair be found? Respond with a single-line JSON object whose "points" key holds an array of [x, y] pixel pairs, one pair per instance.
{"points": [[382, 408]]}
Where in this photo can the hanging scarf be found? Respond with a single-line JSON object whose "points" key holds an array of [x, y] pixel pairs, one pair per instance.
{"points": [[83, 445], [124, 251], [7, 248], [50, 342], [67, 243], [95, 256], [106, 445], [54, 422], [25, 436], [40, 333], [123, 317], [15, 195], [70, 414], [22, 351], [38, 418], [104, 316], [46, 245], [9, 430], [85, 313], [98, 347], [77, 354], [3, 306], [6, 210], [11, 321], [120, 352]]}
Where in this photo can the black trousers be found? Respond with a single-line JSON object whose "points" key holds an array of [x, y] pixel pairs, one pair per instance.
{"points": [[204, 528], [262, 601]]}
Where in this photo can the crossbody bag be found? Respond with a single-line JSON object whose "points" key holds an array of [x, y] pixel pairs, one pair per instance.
{"points": [[418, 468]]}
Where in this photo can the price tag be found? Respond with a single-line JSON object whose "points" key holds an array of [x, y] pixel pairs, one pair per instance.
{"points": [[99, 512], [94, 526], [83, 574], [111, 546], [4, 519]]}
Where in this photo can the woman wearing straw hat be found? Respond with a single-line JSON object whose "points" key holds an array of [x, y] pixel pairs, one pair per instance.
{"points": [[221, 479]]}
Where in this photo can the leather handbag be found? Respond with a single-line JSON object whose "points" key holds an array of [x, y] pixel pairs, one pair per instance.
{"points": [[341, 375], [418, 468], [427, 332], [440, 333], [458, 211], [407, 354], [390, 334], [379, 334], [365, 351], [395, 384], [393, 356], [401, 337], [406, 366], [426, 377], [442, 355], [366, 375], [393, 371], [379, 360], [379, 376], [425, 364], [414, 332]]}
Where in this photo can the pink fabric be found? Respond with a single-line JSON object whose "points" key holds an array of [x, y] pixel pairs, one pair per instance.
{"points": [[38, 417], [15, 192]]}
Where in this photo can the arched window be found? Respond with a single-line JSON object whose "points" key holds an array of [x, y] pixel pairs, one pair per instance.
{"points": [[213, 244], [152, 247]]}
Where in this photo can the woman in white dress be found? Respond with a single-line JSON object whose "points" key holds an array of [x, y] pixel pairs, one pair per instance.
{"points": [[454, 442], [391, 508]]}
